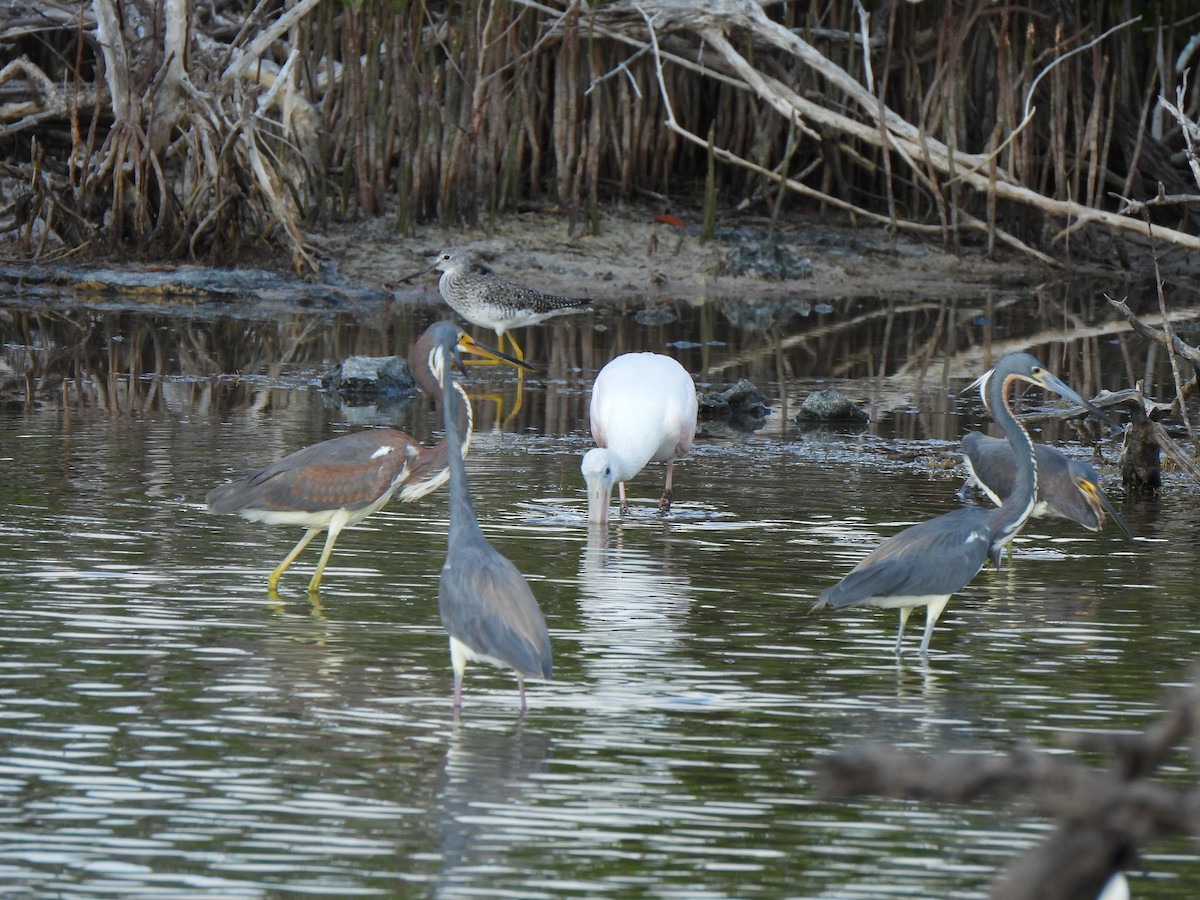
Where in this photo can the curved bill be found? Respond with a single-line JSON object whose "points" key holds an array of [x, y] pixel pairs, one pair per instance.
{"points": [[468, 344]]}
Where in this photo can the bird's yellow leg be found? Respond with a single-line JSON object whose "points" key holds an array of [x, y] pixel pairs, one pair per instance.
{"points": [[512, 413], [335, 528], [273, 578], [516, 347], [621, 493], [498, 399]]}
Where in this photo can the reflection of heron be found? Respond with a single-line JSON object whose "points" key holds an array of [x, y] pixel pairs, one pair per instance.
{"points": [[643, 407], [1066, 488], [339, 482], [485, 603], [487, 774], [494, 303], [925, 564]]}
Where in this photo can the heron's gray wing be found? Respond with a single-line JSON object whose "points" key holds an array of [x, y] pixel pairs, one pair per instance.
{"points": [[487, 605], [933, 558], [991, 461]]}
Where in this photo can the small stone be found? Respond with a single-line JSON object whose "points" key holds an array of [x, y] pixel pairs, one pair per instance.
{"points": [[828, 405], [743, 405], [768, 261], [370, 376]]}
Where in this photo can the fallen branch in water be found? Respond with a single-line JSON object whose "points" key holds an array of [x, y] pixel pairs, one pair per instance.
{"points": [[1104, 817]]}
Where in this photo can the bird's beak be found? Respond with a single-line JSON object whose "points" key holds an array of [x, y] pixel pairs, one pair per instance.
{"points": [[417, 274], [599, 494], [1100, 505], [468, 344], [1053, 383]]}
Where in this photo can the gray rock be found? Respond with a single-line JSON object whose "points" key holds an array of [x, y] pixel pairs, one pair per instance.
{"points": [[742, 405], [370, 377], [768, 261], [828, 405]]}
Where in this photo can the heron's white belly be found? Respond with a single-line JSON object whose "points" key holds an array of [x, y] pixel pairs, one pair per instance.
{"points": [[917, 600], [461, 654]]}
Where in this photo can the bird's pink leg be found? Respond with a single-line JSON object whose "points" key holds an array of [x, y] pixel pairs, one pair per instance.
{"points": [[664, 505], [521, 686], [457, 694]]}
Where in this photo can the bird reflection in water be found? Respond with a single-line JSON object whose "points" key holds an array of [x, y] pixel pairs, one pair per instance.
{"points": [[485, 779], [633, 609]]}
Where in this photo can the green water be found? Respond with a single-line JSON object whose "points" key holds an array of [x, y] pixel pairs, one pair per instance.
{"points": [[167, 730]]}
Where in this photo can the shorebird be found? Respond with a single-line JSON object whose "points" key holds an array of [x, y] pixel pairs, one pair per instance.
{"points": [[494, 303], [925, 564], [485, 603], [337, 483], [643, 407]]}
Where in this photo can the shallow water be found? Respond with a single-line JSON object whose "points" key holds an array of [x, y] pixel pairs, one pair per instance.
{"points": [[168, 730]]}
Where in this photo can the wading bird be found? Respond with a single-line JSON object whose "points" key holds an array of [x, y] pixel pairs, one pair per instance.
{"points": [[339, 482], [494, 303], [486, 605], [925, 564], [643, 407], [1066, 488]]}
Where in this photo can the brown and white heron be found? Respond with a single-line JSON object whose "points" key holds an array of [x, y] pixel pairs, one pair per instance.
{"points": [[339, 482], [925, 564], [643, 408]]}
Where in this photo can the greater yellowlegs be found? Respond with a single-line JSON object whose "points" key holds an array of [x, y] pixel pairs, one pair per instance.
{"points": [[494, 303]]}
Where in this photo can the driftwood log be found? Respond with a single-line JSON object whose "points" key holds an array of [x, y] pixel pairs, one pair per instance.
{"points": [[1104, 816]]}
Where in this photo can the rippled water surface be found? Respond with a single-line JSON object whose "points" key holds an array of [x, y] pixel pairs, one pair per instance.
{"points": [[168, 730]]}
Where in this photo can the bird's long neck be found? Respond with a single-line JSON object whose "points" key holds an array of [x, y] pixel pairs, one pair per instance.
{"points": [[1017, 507], [434, 460], [462, 510]]}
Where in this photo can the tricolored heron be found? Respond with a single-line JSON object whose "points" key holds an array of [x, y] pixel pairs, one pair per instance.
{"points": [[643, 407], [493, 302], [1066, 489], [925, 564], [486, 605], [339, 482]]}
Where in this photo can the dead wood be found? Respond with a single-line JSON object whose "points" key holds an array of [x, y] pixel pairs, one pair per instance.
{"points": [[1104, 817]]}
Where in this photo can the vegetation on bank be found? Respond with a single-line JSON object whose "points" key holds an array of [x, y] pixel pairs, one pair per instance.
{"points": [[182, 129]]}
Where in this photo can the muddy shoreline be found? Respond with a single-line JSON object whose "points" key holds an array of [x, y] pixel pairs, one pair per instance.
{"points": [[633, 256]]}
